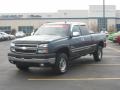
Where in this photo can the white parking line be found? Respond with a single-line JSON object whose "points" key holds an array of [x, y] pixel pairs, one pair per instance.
{"points": [[104, 56], [101, 64], [70, 79]]}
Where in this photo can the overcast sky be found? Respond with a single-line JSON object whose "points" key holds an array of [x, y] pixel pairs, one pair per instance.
{"points": [[37, 6]]}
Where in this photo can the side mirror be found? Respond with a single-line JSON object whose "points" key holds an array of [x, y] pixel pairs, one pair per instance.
{"points": [[32, 33], [75, 34]]}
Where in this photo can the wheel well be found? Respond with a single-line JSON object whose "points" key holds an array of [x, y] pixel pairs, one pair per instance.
{"points": [[101, 43], [63, 50]]}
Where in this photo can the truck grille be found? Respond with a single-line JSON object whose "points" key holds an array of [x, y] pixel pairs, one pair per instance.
{"points": [[25, 51], [25, 48]]}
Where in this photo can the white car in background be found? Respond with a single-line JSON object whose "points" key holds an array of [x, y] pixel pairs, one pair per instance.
{"points": [[1, 37], [105, 32], [11, 37], [20, 34], [5, 35]]}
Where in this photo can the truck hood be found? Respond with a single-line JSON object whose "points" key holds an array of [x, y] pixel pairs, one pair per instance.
{"points": [[38, 38]]}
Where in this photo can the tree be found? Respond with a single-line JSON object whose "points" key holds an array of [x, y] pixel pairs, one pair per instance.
{"points": [[93, 27], [13, 31], [111, 29]]}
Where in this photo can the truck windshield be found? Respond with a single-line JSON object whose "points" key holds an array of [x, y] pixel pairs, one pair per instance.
{"points": [[53, 29]]}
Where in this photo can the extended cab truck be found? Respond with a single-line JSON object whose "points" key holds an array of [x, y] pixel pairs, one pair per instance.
{"points": [[55, 45]]}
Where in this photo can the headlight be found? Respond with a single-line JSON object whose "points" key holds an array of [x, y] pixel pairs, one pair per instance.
{"points": [[12, 49], [42, 45], [12, 44], [42, 48]]}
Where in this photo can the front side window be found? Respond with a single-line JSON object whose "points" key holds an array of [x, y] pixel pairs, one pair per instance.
{"points": [[76, 29], [53, 29]]}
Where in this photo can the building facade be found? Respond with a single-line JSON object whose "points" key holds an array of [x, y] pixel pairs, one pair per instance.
{"points": [[93, 17]]}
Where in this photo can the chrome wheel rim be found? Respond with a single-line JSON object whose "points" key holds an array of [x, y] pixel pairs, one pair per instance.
{"points": [[62, 65]]}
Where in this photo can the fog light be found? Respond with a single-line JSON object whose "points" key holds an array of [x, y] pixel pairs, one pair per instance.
{"points": [[12, 49], [41, 65], [42, 51], [12, 62]]}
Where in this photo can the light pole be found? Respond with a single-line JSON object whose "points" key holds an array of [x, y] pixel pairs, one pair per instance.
{"points": [[104, 16], [65, 14]]}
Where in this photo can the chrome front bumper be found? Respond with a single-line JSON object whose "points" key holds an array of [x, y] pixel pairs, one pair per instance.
{"points": [[32, 60]]}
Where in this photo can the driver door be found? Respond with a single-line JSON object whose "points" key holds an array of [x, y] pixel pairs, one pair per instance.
{"points": [[75, 41]]}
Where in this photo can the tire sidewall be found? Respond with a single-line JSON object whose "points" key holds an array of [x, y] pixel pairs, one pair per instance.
{"points": [[57, 63], [98, 54]]}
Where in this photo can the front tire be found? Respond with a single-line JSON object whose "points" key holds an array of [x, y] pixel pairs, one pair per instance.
{"points": [[98, 54], [22, 68], [61, 64]]}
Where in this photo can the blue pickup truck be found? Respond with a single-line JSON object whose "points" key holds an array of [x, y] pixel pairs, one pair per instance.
{"points": [[56, 45]]}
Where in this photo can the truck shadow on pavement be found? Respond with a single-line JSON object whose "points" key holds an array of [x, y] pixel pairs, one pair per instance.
{"points": [[76, 66]]}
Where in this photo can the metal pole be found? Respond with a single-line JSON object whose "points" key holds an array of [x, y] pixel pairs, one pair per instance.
{"points": [[104, 15]]}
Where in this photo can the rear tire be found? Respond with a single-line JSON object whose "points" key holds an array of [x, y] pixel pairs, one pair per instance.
{"points": [[22, 67], [98, 54], [61, 63]]}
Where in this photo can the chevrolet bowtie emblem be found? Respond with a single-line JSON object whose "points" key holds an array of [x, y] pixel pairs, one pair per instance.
{"points": [[23, 48]]}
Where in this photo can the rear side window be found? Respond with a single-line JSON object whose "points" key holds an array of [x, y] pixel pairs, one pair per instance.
{"points": [[84, 30]]}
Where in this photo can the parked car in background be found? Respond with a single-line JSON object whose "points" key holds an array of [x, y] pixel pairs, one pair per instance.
{"points": [[110, 36], [105, 32], [118, 39], [11, 37], [1, 37], [115, 35], [20, 34], [5, 35]]}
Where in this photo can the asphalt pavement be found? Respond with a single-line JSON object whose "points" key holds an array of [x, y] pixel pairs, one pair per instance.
{"points": [[84, 74]]}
